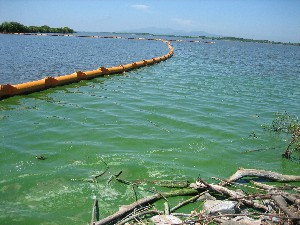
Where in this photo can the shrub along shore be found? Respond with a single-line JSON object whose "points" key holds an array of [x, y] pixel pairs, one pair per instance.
{"points": [[15, 27]]}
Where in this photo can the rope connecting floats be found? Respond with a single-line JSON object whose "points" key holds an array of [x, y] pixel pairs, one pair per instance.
{"points": [[8, 90]]}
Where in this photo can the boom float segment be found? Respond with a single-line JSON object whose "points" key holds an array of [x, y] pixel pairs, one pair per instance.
{"points": [[8, 90]]}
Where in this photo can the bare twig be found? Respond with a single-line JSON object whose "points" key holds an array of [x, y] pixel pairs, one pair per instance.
{"points": [[134, 184], [257, 150], [114, 176], [106, 169], [95, 211], [181, 204], [237, 184], [138, 215], [144, 201]]}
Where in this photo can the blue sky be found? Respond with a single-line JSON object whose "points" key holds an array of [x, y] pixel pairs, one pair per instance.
{"points": [[277, 20]]}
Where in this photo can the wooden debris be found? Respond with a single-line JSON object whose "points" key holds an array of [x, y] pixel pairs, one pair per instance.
{"points": [[265, 204], [40, 157], [260, 173], [144, 201]]}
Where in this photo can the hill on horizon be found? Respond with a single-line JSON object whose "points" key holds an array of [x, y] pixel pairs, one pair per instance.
{"points": [[169, 31]]}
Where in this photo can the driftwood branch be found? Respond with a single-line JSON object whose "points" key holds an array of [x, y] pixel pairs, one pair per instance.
{"points": [[292, 198], [233, 194], [282, 204], [144, 201], [263, 186], [260, 173]]}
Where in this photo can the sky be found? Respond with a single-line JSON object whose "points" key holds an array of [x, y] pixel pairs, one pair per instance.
{"points": [[275, 20]]}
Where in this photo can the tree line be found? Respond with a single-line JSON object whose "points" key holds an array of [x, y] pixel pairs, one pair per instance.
{"points": [[253, 40], [15, 27]]}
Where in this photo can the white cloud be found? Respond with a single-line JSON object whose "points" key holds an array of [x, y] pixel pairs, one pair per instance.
{"points": [[140, 7], [184, 22]]}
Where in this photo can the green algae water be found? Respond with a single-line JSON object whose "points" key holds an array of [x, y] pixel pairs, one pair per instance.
{"points": [[196, 114]]}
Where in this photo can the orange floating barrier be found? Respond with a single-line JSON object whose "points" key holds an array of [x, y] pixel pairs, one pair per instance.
{"points": [[30, 87], [93, 73], [67, 79], [104, 70], [8, 90], [149, 62], [139, 64], [128, 67], [116, 69], [81, 75], [51, 82]]}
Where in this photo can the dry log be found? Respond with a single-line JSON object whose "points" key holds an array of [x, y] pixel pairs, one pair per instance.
{"points": [[260, 173], [233, 194], [263, 186], [282, 204], [278, 197], [144, 201], [292, 198]]}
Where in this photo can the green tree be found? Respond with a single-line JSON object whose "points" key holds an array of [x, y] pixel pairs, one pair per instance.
{"points": [[67, 30], [33, 29], [45, 29], [12, 27]]}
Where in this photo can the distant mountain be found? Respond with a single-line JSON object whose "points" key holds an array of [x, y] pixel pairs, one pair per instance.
{"points": [[169, 31]]}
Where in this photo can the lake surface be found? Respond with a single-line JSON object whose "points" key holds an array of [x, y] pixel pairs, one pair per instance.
{"points": [[195, 114]]}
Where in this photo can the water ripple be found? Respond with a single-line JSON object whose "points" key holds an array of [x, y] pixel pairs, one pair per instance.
{"points": [[192, 115]]}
